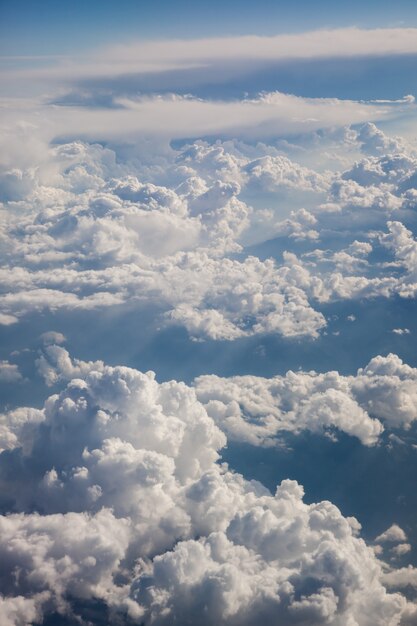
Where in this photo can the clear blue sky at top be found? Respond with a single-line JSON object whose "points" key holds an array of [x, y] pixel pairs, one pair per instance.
{"points": [[36, 27]]}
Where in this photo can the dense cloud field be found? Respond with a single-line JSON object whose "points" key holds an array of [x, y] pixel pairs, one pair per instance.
{"points": [[259, 253]]}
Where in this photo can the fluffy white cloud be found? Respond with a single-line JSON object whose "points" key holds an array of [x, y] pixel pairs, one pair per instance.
{"points": [[21, 611], [18, 427], [172, 116], [375, 141], [119, 497], [401, 241], [258, 410], [95, 230], [234, 577], [401, 549], [51, 557], [114, 492], [386, 388], [393, 534], [272, 172], [114, 238], [9, 372], [403, 577], [51, 337]]}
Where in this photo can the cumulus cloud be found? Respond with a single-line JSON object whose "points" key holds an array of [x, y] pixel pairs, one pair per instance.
{"points": [[400, 240], [51, 337], [117, 238], [18, 426], [393, 534], [401, 549], [52, 557], [114, 492], [258, 410], [375, 141], [272, 172], [117, 495], [9, 372], [242, 586]]}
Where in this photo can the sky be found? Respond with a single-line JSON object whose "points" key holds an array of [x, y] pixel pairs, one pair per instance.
{"points": [[208, 366], [40, 27]]}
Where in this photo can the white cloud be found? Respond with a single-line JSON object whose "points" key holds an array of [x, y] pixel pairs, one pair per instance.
{"points": [[171, 117], [18, 427], [171, 242], [393, 534], [134, 510], [9, 372], [259, 410], [374, 141], [386, 387], [403, 577], [114, 490], [272, 172], [236, 576], [7, 320], [118, 240], [51, 337], [401, 241], [401, 549], [156, 56], [20, 611], [49, 557], [262, 410]]}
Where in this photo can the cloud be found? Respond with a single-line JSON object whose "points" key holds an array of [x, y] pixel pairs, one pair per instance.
{"points": [[403, 577], [259, 410], [393, 534], [51, 337], [118, 496], [162, 56], [271, 114], [7, 320], [169, 231], [74, 554], [374, 141], [235, 587], [114, 238], [9, 372], [401, 549], [401, 241], [114, 492], [386, 387], [17, 428], [20, 611], [272, 172]]}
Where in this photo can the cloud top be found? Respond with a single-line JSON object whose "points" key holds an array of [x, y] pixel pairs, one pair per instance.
{"points": [[118, 497]]}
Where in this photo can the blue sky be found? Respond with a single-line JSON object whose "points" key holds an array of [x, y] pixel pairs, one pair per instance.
{"points": [[34, 27]]}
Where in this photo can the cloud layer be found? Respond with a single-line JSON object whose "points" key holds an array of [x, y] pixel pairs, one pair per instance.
{"points": [[261, 410], [117, 495], [235, 219], [86, 229]]}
